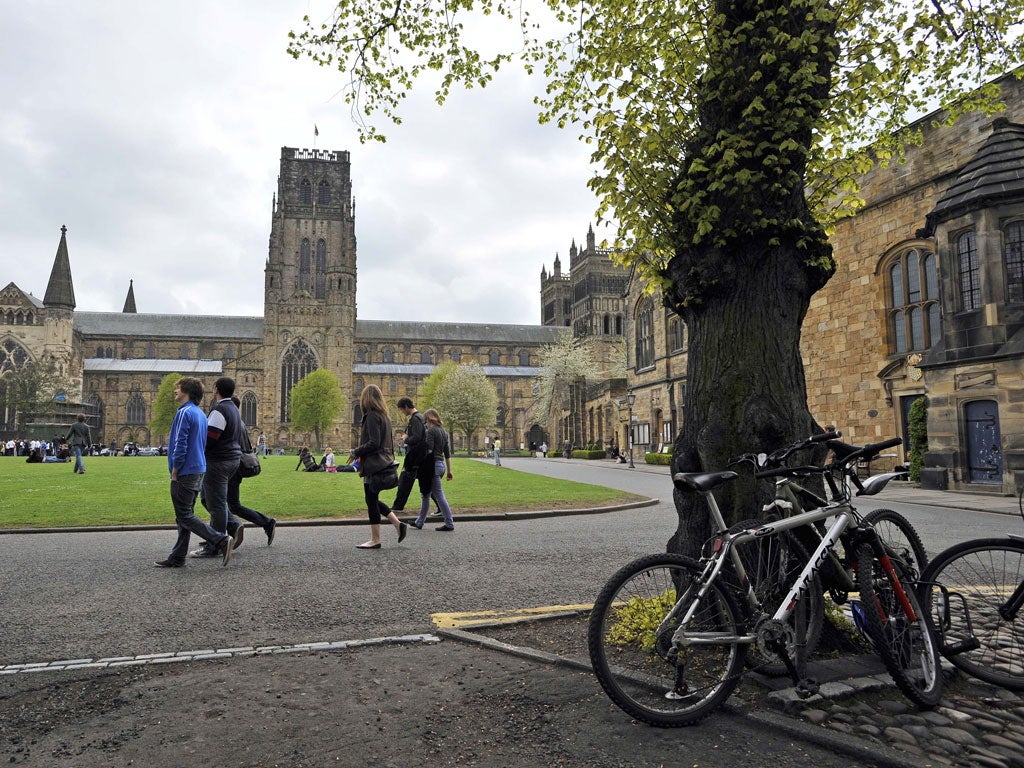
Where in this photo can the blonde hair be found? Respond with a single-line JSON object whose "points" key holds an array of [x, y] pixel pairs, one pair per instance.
{"points": [[433, 417], [372, 399]]}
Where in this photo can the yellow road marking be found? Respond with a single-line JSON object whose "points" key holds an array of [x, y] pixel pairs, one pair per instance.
{"points": [[470, 618]]}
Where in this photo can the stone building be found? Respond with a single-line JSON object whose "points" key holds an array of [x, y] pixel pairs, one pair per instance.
{"points": [[115, 361], [927, 300]]}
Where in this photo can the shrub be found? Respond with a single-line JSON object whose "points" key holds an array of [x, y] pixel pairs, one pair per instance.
{"points": [[918, 425], [658, 458], [636, 621], [588, 454]]}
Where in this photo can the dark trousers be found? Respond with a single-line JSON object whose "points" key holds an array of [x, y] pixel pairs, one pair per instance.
{"points": [[406, 480]]}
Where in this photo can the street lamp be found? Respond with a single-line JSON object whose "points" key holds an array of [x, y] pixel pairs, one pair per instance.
{"points": [[631, 399]]}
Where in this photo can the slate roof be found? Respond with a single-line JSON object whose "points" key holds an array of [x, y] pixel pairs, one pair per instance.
{"points": [[183, 326], [994, 175], [466, 333], [147, 365], [425, 369]]}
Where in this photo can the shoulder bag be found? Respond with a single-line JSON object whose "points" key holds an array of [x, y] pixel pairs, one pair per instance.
{"points": [[249, 464]]}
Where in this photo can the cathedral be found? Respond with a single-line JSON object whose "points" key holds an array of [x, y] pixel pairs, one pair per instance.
{"points": [[114, 361]]}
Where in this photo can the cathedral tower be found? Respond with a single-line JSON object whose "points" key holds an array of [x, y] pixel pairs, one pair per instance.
{"points": [[310, 280]]}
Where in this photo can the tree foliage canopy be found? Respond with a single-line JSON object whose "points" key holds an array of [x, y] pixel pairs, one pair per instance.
{"points": [[568, 359], [165, 406], [31, 388], [464, 396], [639, 79], [315, 402]]}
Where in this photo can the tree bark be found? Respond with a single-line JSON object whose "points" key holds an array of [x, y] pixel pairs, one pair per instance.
{"points": [[749, 254]]}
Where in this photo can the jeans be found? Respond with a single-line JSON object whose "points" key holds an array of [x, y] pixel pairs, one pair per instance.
{"points": [[235, 505], [183, 496], [79, 466], [437, 494], [215, 495]]}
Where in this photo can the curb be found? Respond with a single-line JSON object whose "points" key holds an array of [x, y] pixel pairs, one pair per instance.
{"points": [[468, 518], [868, 753]]}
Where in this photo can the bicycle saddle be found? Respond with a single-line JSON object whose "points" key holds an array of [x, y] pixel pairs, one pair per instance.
{"points": [[701, 481]]}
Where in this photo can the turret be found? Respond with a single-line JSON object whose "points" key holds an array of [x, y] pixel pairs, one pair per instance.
{"points": [[129, 300], [60, 291]]}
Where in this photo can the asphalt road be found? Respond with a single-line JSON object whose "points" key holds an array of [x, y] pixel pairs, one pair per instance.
{"points": [[93, 595], [79, 595]]}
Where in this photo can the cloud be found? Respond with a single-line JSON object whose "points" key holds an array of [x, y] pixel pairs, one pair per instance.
{"points": [[154, 133]]}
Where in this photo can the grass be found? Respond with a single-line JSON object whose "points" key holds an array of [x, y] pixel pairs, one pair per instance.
{"points": [[135, 491]]}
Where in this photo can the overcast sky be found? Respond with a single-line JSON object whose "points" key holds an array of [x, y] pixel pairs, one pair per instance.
{"points": [[153, 131]]}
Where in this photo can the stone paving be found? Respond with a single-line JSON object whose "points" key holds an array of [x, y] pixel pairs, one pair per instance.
{"points": [[976, 724]]}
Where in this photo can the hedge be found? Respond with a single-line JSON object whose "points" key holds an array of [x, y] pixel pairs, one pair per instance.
{"points": [[658, 458], [588, 454]]}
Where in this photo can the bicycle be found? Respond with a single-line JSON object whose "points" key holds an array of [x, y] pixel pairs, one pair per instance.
{"points": [[973, 593], [895, 531], [667, 638]]}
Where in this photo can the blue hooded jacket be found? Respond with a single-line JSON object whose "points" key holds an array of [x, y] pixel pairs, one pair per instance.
{"points": [[186, 446]]}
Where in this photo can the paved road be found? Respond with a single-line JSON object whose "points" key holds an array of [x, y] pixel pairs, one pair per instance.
{"points": [[92, 595]]}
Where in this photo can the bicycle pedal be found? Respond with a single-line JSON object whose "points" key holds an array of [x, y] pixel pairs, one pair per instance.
{"points": [[807, 687]]}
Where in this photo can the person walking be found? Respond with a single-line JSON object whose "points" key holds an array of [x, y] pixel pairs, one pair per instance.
{"points": [[415, 451], [497, 451], [186, 460], [238, 510], [223, 453], [375, 437], [438, 459], [78, 438], [261, 444]]}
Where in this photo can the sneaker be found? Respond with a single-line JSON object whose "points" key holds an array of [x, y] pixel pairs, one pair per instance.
{"points": [[239, 536], [204, 551], [269, 530], [418, 526], [445, 528], [168, 564], [225, 549]]}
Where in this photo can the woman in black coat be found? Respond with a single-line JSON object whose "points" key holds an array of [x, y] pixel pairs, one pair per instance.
{"points": [[375, 438]]}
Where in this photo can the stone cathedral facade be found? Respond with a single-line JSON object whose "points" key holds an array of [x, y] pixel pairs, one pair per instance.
{"points": [[115, 361]]}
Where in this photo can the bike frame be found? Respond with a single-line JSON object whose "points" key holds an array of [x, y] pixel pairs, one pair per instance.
{"points": [[725, 545]]}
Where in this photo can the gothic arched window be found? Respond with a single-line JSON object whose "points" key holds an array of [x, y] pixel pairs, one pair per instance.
{"points": [[99, 351], [323, 193], [524, 358], [456, 355], [13, 356], [297, 363], [361, 355], [135, 410], [304, 263], [321, 269], [644, 319], [305, 192], [914, 300], [150, 351], [970, 283], [493, 358], [389, 356], [248, 409], [425, 357]]}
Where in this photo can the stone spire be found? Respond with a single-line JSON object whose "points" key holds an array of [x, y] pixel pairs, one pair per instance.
{"points": [[60, 292], [129, 301]]}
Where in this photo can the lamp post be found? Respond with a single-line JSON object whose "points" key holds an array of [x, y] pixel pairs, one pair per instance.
{"points": [[631, 400]]}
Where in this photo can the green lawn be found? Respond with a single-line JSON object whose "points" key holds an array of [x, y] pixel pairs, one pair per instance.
{"points": [[135, 491]]}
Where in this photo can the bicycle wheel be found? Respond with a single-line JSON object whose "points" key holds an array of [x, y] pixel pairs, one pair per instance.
{"points": [[772, 564], [898, 626], [979, 578], [899, 535], [631, 644]]}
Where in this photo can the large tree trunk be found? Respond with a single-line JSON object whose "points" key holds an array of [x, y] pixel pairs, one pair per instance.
{"points": [[749, 255]]}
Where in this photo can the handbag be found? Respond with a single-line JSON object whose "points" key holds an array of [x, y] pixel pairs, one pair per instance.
{"points": [[249, 462], [384, 479]]}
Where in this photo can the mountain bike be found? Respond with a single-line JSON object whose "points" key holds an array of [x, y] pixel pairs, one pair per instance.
{"points": [[973, 593], [668, 638]]}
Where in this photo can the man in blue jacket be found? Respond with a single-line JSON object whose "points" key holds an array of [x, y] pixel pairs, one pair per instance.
{"points": [[186, 448]]}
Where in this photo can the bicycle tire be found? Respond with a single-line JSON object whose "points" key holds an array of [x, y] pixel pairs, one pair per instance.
{"points": [[983, 573], [905, 643], [631, 647], [772, 564], [900, 536]]}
